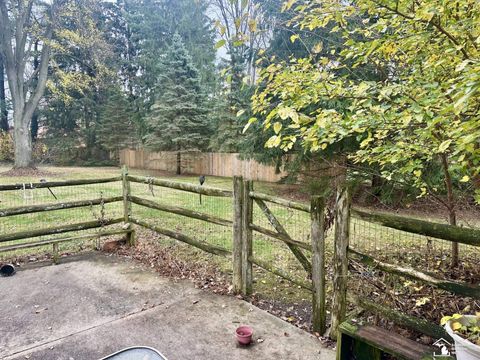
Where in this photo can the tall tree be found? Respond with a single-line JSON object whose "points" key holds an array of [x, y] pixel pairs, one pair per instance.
{"points": [[178, 120], [55, 27], [3, 99], [22, 23], [116, 127]]}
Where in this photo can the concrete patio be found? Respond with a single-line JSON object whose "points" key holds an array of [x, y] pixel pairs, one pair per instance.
{"points": [[92, 305]]}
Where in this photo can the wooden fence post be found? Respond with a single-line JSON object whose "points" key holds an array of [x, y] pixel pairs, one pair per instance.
{"points": [[317, 214], [247, 246], [238, 191], [127, 206], [340, 259], [55, 254]]}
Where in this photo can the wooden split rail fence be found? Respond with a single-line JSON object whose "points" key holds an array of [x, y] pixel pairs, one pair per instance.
{"points": [[102, 224]]}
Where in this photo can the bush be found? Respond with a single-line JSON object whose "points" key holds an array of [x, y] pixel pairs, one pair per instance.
{"points": [[6, 146]]}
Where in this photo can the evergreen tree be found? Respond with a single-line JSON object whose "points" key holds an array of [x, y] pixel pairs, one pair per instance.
{"points": [[116, 129], [178, 119]]}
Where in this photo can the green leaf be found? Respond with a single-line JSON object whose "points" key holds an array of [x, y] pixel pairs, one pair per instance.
{"points": [[220, 43], [277, 127], [444, 146], [249, 123]]}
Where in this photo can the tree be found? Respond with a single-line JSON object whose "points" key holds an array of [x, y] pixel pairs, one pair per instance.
{"points": [[178, 120], [152, 25], [3, 99], [18, 31], [424, 110], [116, 128], [32, 33]]}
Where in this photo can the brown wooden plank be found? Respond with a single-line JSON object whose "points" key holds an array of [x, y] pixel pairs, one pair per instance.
{"points": [[247, 244], [59, 229], [58, 206], [204, 190], [393, 343], [33, 244], [276, 200], [435, 230], [317, 235], [213, 249], [281, 237], [340, 259], [281, 230], [237, 278], [51, 184], [455, 287], [180, 211]]}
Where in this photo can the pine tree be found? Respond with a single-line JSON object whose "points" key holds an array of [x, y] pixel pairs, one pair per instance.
{"points": [[178, 119], [116, 129]]}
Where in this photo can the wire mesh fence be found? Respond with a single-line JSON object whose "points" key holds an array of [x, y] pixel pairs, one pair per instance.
{"points": [[406, 247], [406, 295], [103, 212], [204, 231]]}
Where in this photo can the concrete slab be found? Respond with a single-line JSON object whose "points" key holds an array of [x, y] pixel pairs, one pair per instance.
{"points": [[93, 305]]}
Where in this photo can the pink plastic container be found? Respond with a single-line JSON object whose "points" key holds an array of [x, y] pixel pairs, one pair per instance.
{"points": [[244, 334]]}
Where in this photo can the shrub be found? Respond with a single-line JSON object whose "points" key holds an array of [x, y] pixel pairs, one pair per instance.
{"points": [[6, 146]]}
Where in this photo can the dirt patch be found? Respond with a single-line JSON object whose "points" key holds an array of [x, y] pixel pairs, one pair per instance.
{"points": [[28, 172], [164, 261]]}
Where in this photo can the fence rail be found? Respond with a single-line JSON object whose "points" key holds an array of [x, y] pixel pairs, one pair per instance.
{"points": [[52, 184], [430, 229], [210, 191], [435, 230], [22, 210]]}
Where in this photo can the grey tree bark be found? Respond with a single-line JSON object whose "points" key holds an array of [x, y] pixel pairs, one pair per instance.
{"points": [[3, 101]]}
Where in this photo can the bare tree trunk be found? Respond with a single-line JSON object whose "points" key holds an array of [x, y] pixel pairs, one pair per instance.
{"points": [[452, 216], [34, 122], [3, 103], [23, 141], [179, 162]]}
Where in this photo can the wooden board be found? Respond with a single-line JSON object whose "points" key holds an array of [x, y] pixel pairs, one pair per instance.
{"points": [[387, 341]]}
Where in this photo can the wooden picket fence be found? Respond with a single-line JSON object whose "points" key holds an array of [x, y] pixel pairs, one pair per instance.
{"points": [[201, 163]]}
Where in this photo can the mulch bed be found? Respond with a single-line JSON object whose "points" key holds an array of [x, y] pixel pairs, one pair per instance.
{"points": [[27, 172]]}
